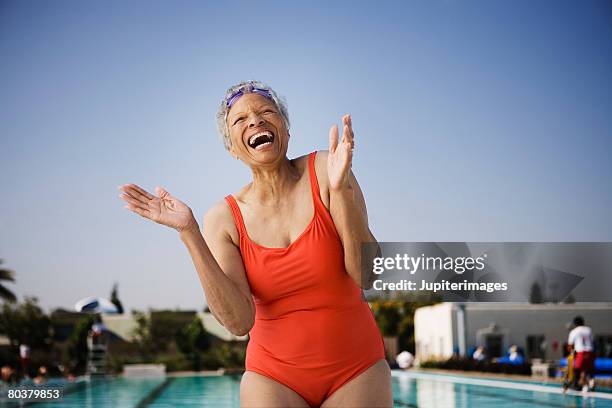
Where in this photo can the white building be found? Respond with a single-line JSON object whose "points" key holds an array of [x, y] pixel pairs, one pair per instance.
{"points": [[541, 330]]}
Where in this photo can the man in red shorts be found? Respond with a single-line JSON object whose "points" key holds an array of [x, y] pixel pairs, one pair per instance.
{"points": [[581, 340]]}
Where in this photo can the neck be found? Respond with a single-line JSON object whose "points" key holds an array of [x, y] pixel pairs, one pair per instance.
{"points": [[271, 184]]}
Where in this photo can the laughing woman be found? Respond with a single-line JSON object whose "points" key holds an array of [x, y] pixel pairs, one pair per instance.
{"points": [[281, 261]]}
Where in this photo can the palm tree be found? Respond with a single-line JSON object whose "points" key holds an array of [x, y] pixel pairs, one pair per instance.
{"points": [[6, 275]]}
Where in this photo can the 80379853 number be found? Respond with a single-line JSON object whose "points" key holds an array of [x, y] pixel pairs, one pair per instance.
{"points": [[33, 394]]}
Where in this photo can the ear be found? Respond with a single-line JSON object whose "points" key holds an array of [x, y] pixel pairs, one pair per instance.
{"points": [[232, 151]]}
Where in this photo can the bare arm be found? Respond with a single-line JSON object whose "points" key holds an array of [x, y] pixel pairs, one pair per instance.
{"points": [[219, 266], [348, 209], [347, 206], [223, 277]]}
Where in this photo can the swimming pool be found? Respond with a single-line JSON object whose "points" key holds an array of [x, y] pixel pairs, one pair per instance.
{"points": [[410, 389], [418, 389]]}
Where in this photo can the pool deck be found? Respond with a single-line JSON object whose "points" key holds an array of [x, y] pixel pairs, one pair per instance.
{"points": [[484, 379], [206, 373], [601, 382]]}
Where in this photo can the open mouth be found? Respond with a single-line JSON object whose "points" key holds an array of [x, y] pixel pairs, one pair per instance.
{"points": [[261, 140]]}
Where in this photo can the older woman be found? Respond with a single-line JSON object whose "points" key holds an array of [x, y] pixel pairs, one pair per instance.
{"points": [[281, 260]]}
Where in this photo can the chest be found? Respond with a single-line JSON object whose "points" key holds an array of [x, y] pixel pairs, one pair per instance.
{"points": [[279, 225]]}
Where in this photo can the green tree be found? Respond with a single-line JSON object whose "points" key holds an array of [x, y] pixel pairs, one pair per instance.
{"points": [[114, 297], [192, 340], [6, 275], [395, 317], [163, 327], [388, 316], [142, 334], [77, 343], [26, 323]]}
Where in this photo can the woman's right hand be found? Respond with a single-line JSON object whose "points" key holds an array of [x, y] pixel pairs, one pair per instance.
{"points": [[163, 209]]}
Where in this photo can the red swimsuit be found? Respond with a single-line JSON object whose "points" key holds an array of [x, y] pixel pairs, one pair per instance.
{"points": [[313, 332]]}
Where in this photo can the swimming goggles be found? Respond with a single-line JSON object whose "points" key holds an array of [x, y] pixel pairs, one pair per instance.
{"points": [[234, 97]]}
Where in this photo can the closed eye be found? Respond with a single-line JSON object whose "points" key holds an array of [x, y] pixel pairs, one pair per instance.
{"points": [[240, 119]]}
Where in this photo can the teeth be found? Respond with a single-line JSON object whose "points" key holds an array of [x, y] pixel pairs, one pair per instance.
{"points": [[261, 146], [254, 137]]}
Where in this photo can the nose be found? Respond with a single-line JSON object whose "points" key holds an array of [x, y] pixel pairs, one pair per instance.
{"points": [[255, 120]]}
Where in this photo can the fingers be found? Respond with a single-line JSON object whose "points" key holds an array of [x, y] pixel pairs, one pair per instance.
{"points": [[137, 199], [162, 193], [347, 131], [333, 138], [136, 192], [143, 192], [134, 202], [348, 137], [142, 212]]}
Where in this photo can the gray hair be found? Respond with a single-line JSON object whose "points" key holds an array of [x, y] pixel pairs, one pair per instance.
{"points": [[247, 87]]}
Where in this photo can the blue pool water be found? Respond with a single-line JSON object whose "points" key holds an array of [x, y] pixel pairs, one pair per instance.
{"points": [[432, 390], [409, 390]]}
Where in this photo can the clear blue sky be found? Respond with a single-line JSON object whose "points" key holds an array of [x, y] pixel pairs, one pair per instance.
{"points": [[475, 121]]}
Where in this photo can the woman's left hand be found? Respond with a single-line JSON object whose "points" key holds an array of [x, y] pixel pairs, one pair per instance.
{"points": [[340, 155]]}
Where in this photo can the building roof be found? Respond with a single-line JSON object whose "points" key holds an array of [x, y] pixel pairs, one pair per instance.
{"points": [[124, 326], [509, 306], [537, 306], [212, 326]]}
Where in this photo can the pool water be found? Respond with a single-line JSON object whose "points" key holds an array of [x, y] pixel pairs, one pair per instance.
{"points": [[410, 389], [190, 392], [414, 389]]}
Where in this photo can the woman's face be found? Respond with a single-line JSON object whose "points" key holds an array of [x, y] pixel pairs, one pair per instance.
{"points": [[257, 130]]}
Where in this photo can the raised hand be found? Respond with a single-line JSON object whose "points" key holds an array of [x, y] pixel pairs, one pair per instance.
{"points": [[340, 155], [163, 209]]}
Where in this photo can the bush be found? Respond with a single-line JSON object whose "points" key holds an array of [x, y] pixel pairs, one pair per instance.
{"points": [[77, 345], [467, 364], [395, 317], [388, 316], [224, 356], [192, 340], [175, 362], [26, 323]]}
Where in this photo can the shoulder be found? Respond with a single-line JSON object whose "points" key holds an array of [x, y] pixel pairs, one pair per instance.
{"points": [[219, 220], [322, 178], [218, 212], [321, 161], [321, 168]]}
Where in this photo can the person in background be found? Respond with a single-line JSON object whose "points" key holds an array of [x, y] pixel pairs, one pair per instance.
{"points": [[8, 375], [41, 378], [514, 356], [405, 359], [479, 354], [569, 377], [581, 341], [98, 329], [24, 359]]}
